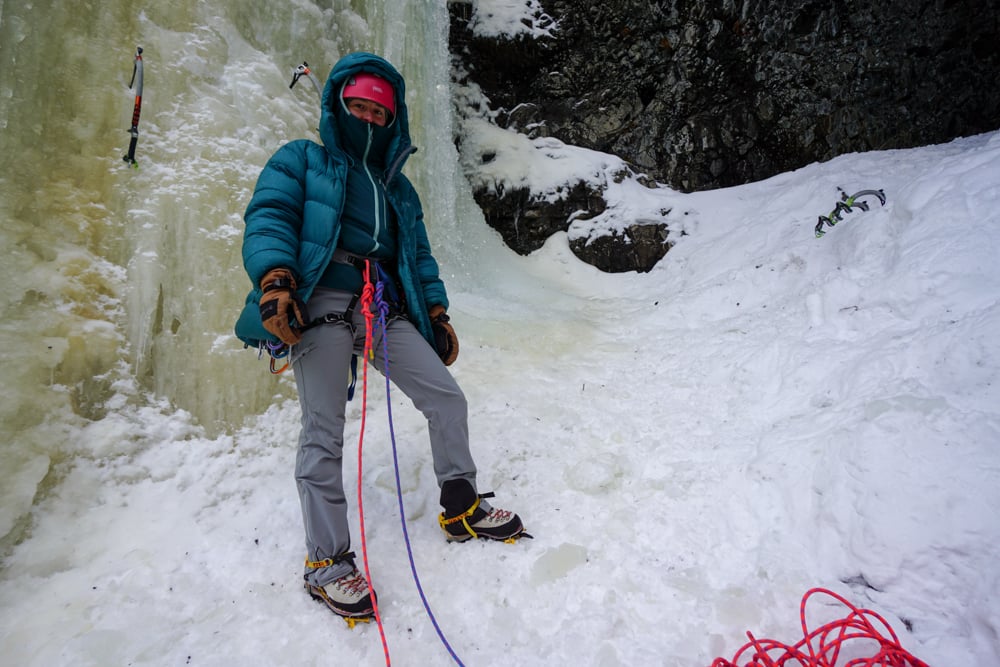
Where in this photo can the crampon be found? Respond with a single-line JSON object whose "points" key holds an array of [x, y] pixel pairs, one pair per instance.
{"points": [[319, 595]]}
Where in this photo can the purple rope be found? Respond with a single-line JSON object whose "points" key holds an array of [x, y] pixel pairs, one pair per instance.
{"points": [[277, 350], [383, 311]]}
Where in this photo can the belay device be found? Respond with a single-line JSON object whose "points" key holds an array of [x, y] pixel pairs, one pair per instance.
{"points": [[846, 205]]}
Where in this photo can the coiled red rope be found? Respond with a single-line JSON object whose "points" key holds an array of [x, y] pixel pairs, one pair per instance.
{"points": [[822, 647]]}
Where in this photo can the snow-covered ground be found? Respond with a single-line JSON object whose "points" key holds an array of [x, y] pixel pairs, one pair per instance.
{"points": [[692, 449]]}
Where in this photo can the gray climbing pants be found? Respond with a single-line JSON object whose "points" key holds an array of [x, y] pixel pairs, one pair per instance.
{"points": [[321, 362]]}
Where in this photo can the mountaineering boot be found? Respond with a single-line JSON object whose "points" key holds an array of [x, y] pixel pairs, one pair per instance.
{"points": [[348, 596], [466, 515]]}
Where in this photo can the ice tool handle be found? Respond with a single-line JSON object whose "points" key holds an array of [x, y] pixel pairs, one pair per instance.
{"points": [[133, 131]]}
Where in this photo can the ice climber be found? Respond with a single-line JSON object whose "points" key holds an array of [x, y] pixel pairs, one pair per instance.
{"points": [[320, 214]]}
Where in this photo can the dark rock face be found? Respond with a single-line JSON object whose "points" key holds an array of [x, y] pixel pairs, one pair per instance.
{"points": [[701, 94], [639, 248], [525, 224]]}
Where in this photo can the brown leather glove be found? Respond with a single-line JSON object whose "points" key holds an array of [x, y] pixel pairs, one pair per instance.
{"points": [[445, 339], [279, 304]]}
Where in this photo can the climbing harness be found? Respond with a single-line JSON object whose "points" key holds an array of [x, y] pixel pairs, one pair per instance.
{"points": [[278, 350], [821, 647], [397, 300], [303, 70], [136, 109], [846, 205]]}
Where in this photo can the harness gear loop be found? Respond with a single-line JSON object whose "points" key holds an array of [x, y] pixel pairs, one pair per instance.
{"points": [[280, 350], [276, 351]]}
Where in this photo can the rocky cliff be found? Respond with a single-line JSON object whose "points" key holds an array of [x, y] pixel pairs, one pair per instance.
{"points": [[700, 94]]}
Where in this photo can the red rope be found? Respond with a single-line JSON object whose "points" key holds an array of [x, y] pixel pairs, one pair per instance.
{"points": [[366, 302], [821, 647]]}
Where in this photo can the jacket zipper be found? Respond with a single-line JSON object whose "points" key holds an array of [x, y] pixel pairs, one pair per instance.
{"points": [[377, 200]]}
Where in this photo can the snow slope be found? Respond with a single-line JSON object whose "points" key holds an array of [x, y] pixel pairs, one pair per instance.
{"points": [[692, 449]]}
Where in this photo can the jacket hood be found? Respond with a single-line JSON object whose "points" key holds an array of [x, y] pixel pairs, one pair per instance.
{"points": [[349, 65]]}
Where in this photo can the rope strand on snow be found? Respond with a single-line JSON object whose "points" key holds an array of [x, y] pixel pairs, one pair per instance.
{"points": [[366, 300], [831, 638], [372, 301], [383, 311]]}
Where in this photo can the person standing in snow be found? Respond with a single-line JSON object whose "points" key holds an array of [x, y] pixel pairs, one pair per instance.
{"points": [[320, 217]]}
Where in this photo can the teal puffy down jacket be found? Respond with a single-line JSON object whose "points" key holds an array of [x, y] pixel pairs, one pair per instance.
{"points": [[293, 219]]}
